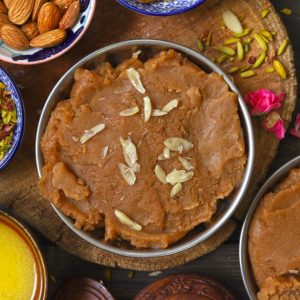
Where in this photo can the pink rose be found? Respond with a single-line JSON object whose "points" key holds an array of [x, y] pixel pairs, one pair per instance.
{"points": [[262, 101], [296, 130], [273, 123]]}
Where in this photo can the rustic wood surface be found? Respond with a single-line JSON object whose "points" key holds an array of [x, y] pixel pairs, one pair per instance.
{"points": [[18, 181]]}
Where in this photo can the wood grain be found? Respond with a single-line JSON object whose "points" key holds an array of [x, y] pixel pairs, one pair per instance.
{"points": [[111, 24]]}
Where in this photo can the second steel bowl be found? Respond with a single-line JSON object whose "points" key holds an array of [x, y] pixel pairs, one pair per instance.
{"points": [[115, 54]]}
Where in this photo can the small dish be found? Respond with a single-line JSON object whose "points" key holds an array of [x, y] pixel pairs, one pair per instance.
{"points": [[19, 129], [245, 265], [33, 56], [30, 272], [161, 8]]}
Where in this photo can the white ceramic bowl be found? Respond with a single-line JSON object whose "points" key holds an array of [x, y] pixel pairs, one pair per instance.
{"points": [[33, 56]]}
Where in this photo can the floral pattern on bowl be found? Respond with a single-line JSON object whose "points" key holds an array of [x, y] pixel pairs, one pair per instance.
{"points": [[36, 55], [19, 129], [161, 7]]}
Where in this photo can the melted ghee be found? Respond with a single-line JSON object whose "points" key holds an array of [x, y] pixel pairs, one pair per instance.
{"points": [[17, 266]]}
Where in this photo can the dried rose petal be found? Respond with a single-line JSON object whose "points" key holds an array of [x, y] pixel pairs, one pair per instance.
{"points": [[296, 130], [273, 123]]}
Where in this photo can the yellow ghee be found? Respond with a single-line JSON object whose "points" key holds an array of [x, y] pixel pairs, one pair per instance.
{"points": [[17, 266]]}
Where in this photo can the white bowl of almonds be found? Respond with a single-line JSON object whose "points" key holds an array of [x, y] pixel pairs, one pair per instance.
{"points": [[37, 31], [132, 150]]}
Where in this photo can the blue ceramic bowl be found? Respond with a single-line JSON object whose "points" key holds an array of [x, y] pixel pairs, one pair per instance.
{"points": [[161, 7], [19, 129], [33, 56]]}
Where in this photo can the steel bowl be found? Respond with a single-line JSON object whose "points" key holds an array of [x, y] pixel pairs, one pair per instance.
{"points": [[245, 265], [116, 54]]}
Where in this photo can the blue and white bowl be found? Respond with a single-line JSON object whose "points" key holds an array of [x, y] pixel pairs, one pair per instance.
{"points": [[19, 129], [161, 7], [33, 56]]}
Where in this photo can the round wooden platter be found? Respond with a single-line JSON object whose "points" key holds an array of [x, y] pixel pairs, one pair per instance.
{"points": [[113, 23]]}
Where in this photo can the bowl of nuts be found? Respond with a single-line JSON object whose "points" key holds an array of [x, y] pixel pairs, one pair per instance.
{"points": [[37, 31]]}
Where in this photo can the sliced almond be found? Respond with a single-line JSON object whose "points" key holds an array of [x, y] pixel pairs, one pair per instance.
{"points": [[178, 144], [135, 79], [88, 134], [158, 113], [179, 176], [186, 164], [160, 174], [127, 173], [232, 22], [170, 106], [147, 108], [130, 154], [124, 219], [166, 152], [104, 152], [129, 111], [176, 189]]}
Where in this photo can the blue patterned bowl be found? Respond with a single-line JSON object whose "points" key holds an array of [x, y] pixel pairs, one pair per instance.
{"points": [[33, 56], [161, 7], [19, 129]]}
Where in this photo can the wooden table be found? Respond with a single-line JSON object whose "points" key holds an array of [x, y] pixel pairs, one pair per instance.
{"points": [[222, 264]]}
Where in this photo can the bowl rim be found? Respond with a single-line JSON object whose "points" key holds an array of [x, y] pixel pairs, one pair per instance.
{"points": [[248, 135], [22, 115], [30, 238], [143, 12], [244, 260], [91, 13]]}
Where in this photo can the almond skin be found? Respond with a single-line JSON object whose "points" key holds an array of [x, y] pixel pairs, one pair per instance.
{"points": [[37, 6], [49, 39], [63, 4], [71, 16], [30, 29], [13, 37], [20, 11], [3, 8], [4, 20], [48, 17]]}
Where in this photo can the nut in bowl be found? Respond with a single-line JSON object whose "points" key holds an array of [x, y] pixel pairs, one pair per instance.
{"points": [[12, 119], [160, 7], [37, 31], [137, 164]]}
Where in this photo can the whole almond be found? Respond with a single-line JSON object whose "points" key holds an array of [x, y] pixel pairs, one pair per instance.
{"points": [[20, 11], [63, 4], [37, 6], [3, 8], [48, 17], [8, 3], [49, 39], [13, 37], [4, 20], [30, 29], [71, 16]]}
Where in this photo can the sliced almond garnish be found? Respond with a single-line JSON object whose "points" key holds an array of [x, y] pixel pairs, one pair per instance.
{"points": [[130, 154], [165, 155], [127, 173], [147, 108], [179, 176], [136, 54], [135, 79], [88, 134], [104, 152], [176, 189], [185, 163], [129, 111], [232, 22], [158, 113], [178, 144], [124, 219], [170, 106], [160, 174]]}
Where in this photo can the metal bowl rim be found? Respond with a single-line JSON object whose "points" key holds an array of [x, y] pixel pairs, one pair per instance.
{"points": [[245, 264], [248, 133]]}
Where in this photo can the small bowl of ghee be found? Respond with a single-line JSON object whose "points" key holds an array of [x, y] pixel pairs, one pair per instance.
{"points": [[23, 273]]}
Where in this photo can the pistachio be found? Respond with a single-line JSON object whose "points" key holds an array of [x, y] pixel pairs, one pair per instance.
{"points": [[200, 45], [233, 70], [208, 40], [248, 73], [240, 50], [245, 32], [267, 34], [176, 189], [124, 219], [279, 68], [222, 58], [261, 42], [264, 12], [226, 50], [286, 11], [269, 69], [259, 60], [231, 40], [283, 46]]}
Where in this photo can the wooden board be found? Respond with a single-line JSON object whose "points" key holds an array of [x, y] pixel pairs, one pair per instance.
{"points": [[112, 23]]}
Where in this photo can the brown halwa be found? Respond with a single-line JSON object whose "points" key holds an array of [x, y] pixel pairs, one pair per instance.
{"points": [[274, 241], [143, 150]]}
